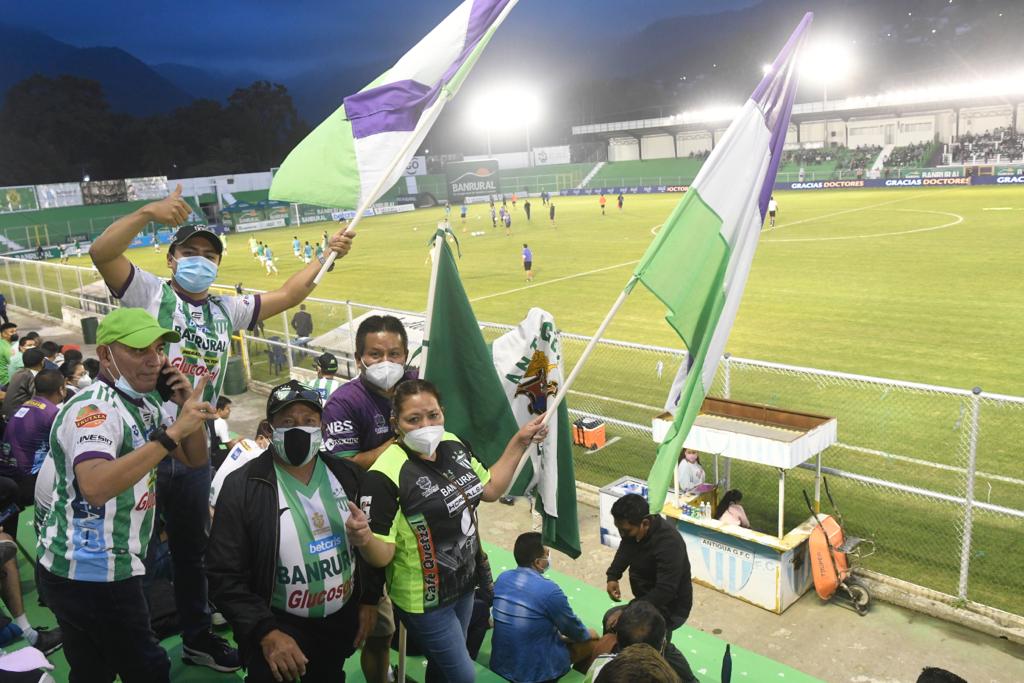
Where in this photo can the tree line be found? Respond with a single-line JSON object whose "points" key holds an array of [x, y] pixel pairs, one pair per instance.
{"points": [[61, 129]]}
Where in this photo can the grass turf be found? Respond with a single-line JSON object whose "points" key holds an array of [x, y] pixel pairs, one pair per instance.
{"points": [[915, 284]]}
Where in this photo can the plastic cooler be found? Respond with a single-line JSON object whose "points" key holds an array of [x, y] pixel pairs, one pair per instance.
{"points": [[588, 432]]}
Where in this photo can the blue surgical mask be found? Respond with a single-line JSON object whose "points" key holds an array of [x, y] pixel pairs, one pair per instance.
{"points": [[122, 384], [195, 273]]}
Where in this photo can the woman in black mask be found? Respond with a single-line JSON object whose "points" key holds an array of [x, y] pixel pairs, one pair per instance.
{"points": [[280, 564]]}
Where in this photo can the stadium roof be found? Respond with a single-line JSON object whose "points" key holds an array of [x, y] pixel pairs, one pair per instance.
{"points": [[982, 91]]}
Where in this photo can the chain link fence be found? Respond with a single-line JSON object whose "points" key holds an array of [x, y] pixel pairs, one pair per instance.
{"points": [[932, 474]]}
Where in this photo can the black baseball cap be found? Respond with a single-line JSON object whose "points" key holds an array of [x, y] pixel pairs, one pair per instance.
{"points": [[327, 362], [187, 231], [292, 391]]}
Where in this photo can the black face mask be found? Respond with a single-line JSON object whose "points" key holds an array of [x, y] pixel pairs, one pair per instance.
{"points": [[296, 445], [13, 338]]}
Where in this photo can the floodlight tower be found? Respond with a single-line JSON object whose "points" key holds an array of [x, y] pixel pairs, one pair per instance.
{"points": [[495, 110], [829, 60]]}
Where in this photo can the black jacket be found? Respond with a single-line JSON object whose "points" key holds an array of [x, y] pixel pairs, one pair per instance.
{"points": [[659, 571], [242, 554]]}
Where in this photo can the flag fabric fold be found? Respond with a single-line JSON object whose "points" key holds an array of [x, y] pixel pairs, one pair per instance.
{"points": [[362, 149], [487, 396], [698, 263]]}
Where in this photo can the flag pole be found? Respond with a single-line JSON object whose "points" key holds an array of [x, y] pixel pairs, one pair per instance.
{"points": [[435, 254], [553, 404], [375, 194]]}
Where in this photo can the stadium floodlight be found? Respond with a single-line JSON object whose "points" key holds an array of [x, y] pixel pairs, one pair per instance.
{"points": [[508, 108], [827, 61]]}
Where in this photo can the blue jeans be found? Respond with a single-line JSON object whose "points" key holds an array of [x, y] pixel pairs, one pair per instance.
{"points": [[435, 632], [183, 501], [106, 629]]}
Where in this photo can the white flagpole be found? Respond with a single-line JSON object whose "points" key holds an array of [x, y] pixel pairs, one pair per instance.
{"points": [[553, 404], [379, 189]]}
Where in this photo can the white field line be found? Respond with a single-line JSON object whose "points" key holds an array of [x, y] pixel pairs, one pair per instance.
{"points": [[607, 443], [998, 208], [958, 219], [853, 210], [599, 397], [551, 282]]}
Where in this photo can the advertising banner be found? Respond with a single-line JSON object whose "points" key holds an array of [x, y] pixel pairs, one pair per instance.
{"points": [[545, 156], [13, 199], [314, 214], [261, 225], [59, 194], [153, 187], [104, 192], [472, 178]]}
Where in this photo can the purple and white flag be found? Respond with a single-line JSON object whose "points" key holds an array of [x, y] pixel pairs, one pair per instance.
{"points": [[362, 149]]}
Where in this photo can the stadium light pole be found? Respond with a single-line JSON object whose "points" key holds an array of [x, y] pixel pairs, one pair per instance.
{"points": [[495, 111]]}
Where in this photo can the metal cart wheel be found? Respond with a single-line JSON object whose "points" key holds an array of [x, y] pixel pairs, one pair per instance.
{"points": [[861, 598]]}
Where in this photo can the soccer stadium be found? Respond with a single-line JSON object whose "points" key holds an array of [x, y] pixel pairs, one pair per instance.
{"points": [[789, 276]]}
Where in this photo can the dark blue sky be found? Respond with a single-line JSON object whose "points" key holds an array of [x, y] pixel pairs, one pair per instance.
{"points": [[279, 38]]}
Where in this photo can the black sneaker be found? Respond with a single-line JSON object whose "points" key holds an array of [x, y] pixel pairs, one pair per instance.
{"points": [[48, 641], [212, 651]]}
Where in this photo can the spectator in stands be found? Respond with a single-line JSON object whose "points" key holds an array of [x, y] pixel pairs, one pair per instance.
{"points": [[206, 323], [220, 436], [639, 622], [8, 335], [26, 440], [638, 663], [75, 377], [106, 445], [729, 510], [71, 352], [690, 472], [3, 309], [286, 625], [532, 615], [51, 351], [45, 640], [29, 341], [22, 384], [302, 322], [92, 367], [406, 483], [242, 452], [659, 569], [326, 383], [358, 425]]}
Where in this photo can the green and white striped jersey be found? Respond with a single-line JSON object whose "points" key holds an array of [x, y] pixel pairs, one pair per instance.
{"points": [[205, 326], [325, 386], [80, 541], [315, 561]]}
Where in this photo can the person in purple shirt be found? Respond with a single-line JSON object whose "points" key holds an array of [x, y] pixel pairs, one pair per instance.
{"points": [[528, 262], [357, 425], [27, 441], [531, 618]]}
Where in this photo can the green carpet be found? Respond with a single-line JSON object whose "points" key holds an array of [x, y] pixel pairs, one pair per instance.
{"points": [[703, 651]]}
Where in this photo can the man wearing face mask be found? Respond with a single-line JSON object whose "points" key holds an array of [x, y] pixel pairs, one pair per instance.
{"points": [[357, 426], [282, 568], [106, 444], [205, 323], [659, 569], [532, 615]]}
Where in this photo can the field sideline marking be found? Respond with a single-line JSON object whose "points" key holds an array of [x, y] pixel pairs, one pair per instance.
{"points": [[928, 463], [551, 282], [958, 217], [616, 400], [607, 443]]}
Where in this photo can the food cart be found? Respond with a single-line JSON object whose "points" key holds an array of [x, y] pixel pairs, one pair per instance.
{"points": [[770, 571]]}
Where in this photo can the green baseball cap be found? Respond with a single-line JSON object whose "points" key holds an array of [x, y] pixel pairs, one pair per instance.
{"points": [[134, 328]]}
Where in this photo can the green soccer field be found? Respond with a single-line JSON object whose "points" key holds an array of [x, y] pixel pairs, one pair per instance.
{"points": [[922, 285]]}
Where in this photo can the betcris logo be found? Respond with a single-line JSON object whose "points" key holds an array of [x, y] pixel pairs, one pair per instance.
{"points": [[324, 545]]}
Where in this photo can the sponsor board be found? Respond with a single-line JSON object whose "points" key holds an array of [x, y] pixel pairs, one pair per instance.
{"points": [[416, 166], [261, 225], [923, 182], [472, 178], [13, 199], [59, 194], [377, 210]]}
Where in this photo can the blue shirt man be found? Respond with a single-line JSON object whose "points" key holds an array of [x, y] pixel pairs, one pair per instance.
{"points": [[531, 614]]}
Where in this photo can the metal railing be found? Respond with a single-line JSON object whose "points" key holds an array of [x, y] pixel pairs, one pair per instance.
{"points": [[935, 475]]}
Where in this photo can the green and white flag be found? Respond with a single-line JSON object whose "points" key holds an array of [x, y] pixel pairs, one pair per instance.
{"points": [[487, 397]]}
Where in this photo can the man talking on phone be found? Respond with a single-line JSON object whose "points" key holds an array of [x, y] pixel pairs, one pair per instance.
{"points": [[205, 323]]}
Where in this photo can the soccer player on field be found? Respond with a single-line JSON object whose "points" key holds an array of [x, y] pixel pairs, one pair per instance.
{"points": [[620, 199], [297, 247], [528, 262], [205, 323], [268, 259], [773, 206], [602, 201], [551, 211]]}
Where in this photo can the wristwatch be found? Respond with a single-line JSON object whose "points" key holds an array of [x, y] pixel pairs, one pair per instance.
{"points": [[160, 436], [323, 260]]}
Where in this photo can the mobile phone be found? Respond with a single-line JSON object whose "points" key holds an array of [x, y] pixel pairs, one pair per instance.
{"points": [[163, 387]]}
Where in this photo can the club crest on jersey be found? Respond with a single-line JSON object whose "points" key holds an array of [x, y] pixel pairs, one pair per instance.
{"points": [[427, 487], [534, 386], [320, 525], [90, 417]]}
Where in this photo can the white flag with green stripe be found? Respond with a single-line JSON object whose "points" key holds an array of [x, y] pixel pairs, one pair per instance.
{"points": [[698, 263]]}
